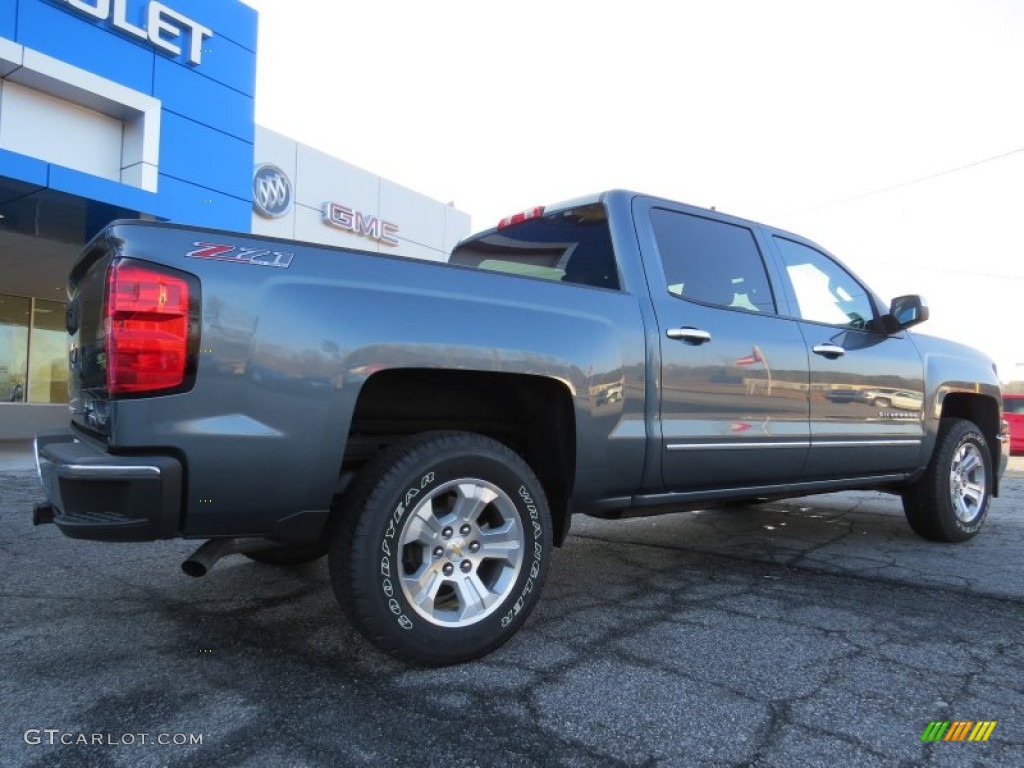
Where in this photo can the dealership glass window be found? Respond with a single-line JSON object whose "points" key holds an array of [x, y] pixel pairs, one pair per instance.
{"points": [[14, 324], [48, 353], [33, 351]]}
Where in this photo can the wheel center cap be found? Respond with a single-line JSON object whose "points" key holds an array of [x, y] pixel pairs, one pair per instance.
{"points": [[455, 551]]}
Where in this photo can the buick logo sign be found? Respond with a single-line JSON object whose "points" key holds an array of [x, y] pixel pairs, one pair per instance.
{"points": [[271, 192]]}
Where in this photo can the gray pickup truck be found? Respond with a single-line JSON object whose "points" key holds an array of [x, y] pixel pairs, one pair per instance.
{"points": [[431, 428]]}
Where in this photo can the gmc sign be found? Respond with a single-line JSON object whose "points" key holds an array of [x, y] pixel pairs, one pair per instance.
{"points": [[359, 223]]}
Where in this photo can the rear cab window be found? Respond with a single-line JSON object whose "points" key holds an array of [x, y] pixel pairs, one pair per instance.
{"points": [[573, 245]]}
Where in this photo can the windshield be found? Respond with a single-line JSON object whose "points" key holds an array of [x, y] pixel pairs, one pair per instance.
{"points": [[571, 246], [1013, 404]]}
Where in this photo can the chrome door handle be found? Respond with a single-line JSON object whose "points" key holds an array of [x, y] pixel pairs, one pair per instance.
{"points": [[689, 335], [831, 351]]}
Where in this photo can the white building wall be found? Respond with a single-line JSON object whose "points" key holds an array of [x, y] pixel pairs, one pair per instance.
{"points": [[59, 113], [426, 228], [40, 125]]}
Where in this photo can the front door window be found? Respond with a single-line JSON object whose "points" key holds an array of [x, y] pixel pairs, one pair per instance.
{"points": [[823, 291]]}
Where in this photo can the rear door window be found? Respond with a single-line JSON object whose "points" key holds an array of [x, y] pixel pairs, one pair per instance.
{"points": [[711, 261]]}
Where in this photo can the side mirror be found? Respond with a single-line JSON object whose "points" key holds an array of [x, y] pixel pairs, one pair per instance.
{"points": [[905, 311]]}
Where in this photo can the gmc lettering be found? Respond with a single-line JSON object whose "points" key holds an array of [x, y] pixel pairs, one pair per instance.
{"points": [[358, 223]]}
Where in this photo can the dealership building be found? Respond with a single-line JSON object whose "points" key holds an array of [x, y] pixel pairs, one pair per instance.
{"points": [[144, 109]]}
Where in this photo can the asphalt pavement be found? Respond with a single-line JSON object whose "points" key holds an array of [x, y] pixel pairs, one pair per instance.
{"points": [[819, 632]]}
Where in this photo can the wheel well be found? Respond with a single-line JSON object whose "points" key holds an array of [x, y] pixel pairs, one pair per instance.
{"points": [[983, 411], [532, 415]]}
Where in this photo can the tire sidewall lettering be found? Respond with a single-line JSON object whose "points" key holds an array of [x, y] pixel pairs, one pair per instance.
{"points": [[387, 586], [535, 564]]}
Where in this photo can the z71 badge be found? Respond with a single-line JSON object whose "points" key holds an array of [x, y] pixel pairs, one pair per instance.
{"points": [[254, 256]]}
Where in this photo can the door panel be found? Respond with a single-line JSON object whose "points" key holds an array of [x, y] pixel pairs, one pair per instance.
{"points": [[734, 375], [866, 388], [734, 409], [867, 412]]}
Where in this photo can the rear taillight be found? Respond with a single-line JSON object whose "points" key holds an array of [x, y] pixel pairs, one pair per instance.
{"points": [[147, 325]]}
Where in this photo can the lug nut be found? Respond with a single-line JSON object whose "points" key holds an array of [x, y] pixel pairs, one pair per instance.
{"points": [[447, 533], [448, 569], [474, 546], [464, 530], [438, 552], [466, 566]]}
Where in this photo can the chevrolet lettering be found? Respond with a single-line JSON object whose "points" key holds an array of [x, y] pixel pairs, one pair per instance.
{"points": [[153, 22]]}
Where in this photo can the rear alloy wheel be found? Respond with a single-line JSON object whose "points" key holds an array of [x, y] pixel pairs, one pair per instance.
{"points": [[441, 547], [951, 500]]}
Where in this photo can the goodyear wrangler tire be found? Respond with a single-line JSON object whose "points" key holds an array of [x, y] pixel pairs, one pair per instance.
{"points": [[441, 547], [951, 500]]}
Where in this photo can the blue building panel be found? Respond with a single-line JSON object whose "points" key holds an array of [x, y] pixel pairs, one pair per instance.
{"points": [[199, 98], [69, 37], [229, 63], [8, 20], [229, 18], [187, 203], [24, 168], [205, 156], [94, 188], [207, 132]]}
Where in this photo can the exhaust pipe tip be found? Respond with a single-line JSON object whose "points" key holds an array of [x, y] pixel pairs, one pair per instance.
{"points": [[206, 556], [194, 568]]}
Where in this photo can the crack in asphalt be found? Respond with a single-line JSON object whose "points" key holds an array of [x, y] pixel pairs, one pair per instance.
{"points": [[639, 653], [964, 589]]}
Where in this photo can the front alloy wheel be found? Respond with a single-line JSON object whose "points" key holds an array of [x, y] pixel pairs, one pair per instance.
{"points": [[950, 501], [968, 483]]}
